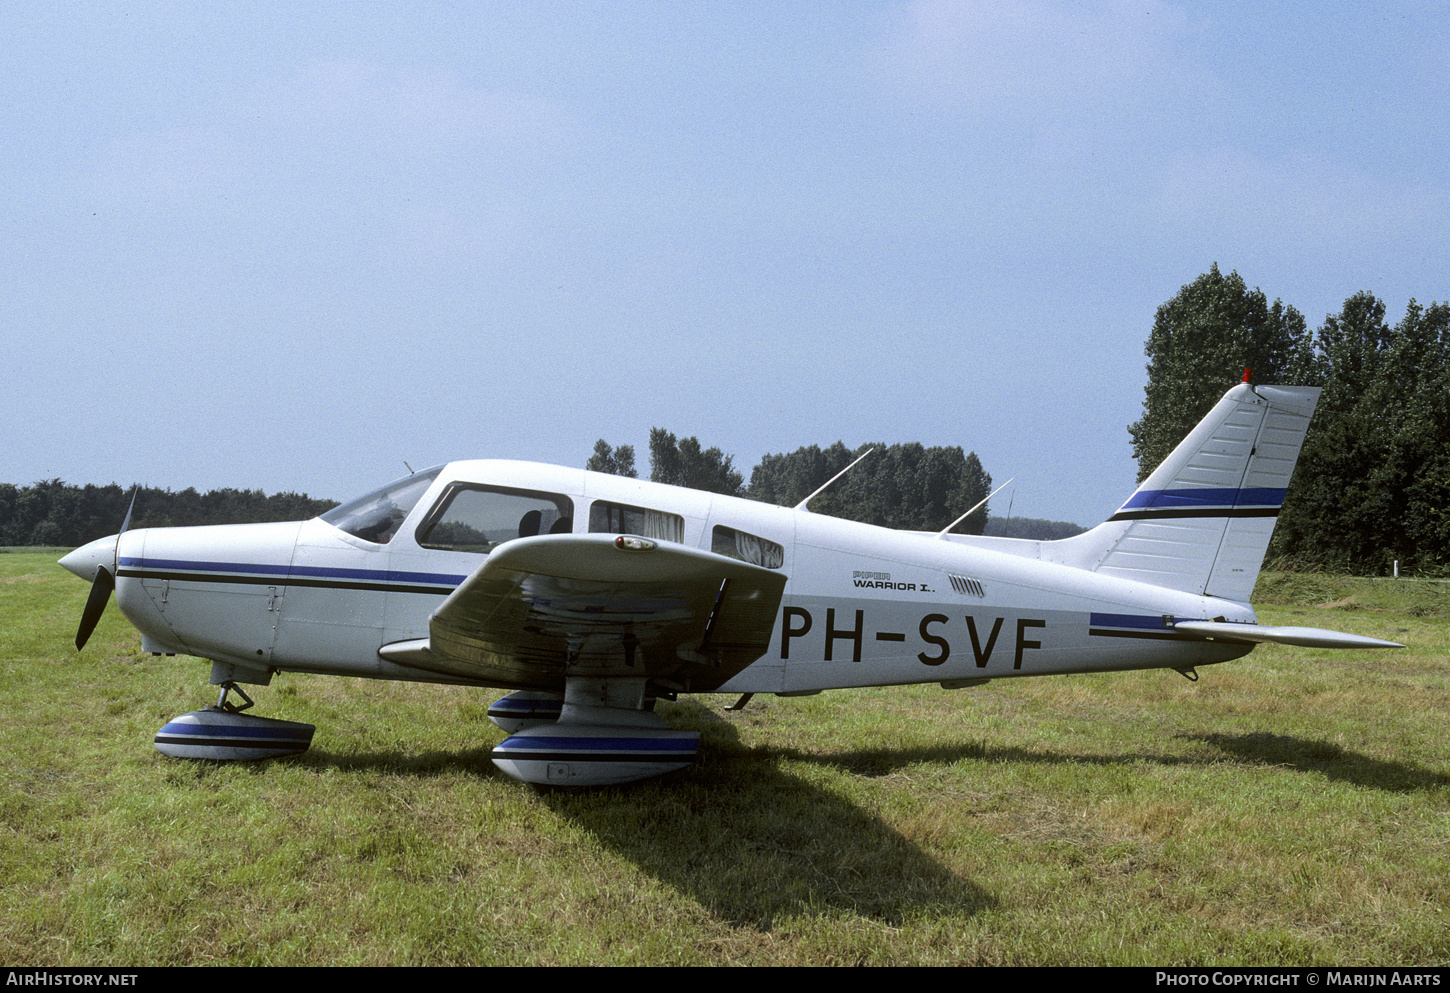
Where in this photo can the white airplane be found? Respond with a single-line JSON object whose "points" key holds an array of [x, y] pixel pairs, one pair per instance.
{"points": [[590, 595]]}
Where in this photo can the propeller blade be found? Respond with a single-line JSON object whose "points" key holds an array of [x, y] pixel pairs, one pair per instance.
{"points": [[104, 582], [95, 605], [127, 522]]}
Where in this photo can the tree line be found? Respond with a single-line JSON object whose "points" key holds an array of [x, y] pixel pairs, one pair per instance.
{"points": [[1373, 482], [907, 486], [53, 512]]}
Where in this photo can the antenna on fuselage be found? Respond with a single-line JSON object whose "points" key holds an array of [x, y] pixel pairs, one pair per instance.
{"points": [[410, 468], [802, 504], [942, 534]]}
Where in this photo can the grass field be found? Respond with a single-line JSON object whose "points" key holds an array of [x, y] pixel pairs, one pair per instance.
{"points": [[1289, 808]]}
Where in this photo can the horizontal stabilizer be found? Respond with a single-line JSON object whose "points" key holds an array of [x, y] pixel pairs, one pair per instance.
{"points": [[1256, 633]]}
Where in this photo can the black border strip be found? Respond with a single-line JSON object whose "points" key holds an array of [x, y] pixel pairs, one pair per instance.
{"points": [[1169, 513], [552, 756], [206, 741]]}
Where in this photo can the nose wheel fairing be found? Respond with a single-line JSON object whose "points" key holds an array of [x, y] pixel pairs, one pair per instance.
{"points": [[224, 733]]}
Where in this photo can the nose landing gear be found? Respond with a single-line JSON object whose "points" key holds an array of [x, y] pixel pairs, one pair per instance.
{"points": [[223, 733]]}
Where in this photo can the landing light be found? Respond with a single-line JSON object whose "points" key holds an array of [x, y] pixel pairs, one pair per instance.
{"points": [[631, 543]]}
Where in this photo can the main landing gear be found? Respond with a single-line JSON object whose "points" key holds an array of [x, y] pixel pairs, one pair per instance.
{"points": [[600, 732]]}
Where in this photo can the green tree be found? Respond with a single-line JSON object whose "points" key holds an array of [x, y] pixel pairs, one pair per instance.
{"points": [[1031, 528], [52, 512], [683, 463], [786, 479], [1331, 512], [615, 461], [904, 486], [1201, 342], [1373, 480]]}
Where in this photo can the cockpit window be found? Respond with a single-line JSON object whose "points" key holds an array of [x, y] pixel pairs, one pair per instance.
{"points": [[376, 516], [473, 518]]}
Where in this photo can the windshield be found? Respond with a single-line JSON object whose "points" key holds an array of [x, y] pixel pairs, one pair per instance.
{"points": [[377, 515]]}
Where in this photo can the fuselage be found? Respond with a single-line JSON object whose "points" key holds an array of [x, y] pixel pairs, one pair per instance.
{"points": [[862, 605]]}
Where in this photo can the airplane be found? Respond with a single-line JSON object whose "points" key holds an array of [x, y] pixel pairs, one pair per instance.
{"points": [[588, 596]]}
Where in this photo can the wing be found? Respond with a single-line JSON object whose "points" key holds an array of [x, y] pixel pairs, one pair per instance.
{"points": [[600, 605]]}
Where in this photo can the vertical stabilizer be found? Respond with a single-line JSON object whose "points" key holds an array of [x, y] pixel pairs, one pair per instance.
{"points": [[1201, 522]]}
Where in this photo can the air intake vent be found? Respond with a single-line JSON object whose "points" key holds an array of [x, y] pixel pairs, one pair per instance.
{"points": [[967, 587]]}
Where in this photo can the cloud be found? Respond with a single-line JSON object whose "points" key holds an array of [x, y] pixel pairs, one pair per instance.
{"points": [[345, 163], [446, 240], [335, 122], [1298, 196], [407, 114], [173, 166], [1032, 55]]}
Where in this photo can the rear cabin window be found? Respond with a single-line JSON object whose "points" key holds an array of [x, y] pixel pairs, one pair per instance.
{"points": [[472, 518], [746, 547], [618, 518]]}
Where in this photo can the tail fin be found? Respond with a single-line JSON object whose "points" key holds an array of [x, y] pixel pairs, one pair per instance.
{"points": [[1201, 522]]}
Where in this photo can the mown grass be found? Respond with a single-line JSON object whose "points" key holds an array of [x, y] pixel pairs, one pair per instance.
{"points": [[1290, 808]]}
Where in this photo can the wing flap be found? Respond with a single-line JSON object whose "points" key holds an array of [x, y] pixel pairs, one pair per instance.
{"points": [[588, 605]]}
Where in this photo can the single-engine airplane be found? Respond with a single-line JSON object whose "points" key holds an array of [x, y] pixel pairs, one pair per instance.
{"points": [[588, 596]]}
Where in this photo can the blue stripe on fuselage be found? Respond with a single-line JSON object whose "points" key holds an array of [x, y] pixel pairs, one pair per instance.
{"points": [[219, 571], [1125, 620], [1152, 626]]}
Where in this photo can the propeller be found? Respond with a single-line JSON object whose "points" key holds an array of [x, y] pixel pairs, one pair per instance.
{"points": [[105, 579], [101, 589]]}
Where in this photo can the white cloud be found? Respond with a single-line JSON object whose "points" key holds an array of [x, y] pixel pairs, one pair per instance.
{"points": [[175, 166], [1034, 55], [419, 114], [433, 238], [338, 120], [1298, 196]]}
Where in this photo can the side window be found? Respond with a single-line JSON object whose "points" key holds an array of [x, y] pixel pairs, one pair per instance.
{"points": [[617, 518], [746, 547], [471, 518]]}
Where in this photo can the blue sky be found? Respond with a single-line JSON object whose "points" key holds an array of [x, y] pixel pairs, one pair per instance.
{"points": [[290, 246]]}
